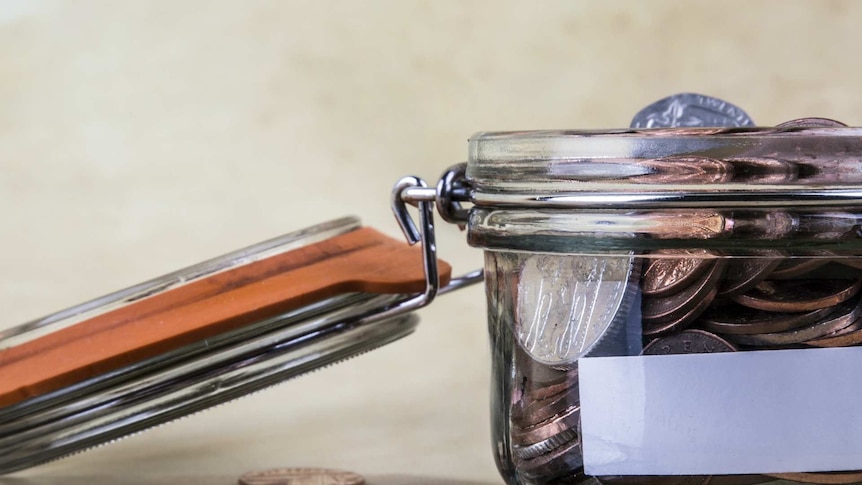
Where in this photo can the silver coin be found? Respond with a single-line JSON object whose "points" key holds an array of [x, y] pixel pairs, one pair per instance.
{"points": [[690, 110], [568, 303]]}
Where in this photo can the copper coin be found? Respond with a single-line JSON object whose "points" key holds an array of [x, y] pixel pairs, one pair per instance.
{"points": [[820, 477], [674, 270], [684, 170], [740, 320], [668, 308], [850, 335], [763, 170], [841, 318], [650, 328], [812, 122], [760, 225], [688, 342], [548, 445], [799, 295], [745, 273], [546, 429], [851, 261], [538, 391], [539, 411], [301, 476], [799, 266]]}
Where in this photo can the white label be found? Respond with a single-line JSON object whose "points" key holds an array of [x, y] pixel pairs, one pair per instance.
{"points": [[725, 413]]}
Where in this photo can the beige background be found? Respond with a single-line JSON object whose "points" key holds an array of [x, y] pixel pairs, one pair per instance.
{"points": [[136, 138]]}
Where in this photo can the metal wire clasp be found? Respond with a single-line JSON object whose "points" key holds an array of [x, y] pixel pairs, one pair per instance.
{"points": [[447, 196]]}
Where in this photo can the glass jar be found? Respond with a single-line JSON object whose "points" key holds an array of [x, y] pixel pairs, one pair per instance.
{"points": [[617, 247]]}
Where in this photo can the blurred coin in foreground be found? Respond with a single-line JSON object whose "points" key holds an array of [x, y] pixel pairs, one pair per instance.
{"points": [[301, 476]]}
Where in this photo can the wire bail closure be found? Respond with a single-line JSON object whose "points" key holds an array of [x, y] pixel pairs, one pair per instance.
{"points": [[447, 196]]}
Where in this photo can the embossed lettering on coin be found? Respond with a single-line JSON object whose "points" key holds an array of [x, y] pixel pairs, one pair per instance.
{"points": [[689, 109], [688, 342], [671, 270], [567, 303]]}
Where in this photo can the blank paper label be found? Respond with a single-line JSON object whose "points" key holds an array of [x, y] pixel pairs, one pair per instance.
{"points": [[725, 413]]}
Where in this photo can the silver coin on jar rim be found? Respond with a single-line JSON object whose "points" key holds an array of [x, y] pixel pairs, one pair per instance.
{"points": [[690, 110]]}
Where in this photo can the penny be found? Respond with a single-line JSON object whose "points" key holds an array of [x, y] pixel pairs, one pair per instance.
{"points": [[688, 342], [850, 335], [798, 266], [733, 318], [547, 445], [665, 309], [301, 476], [842, 317], [759, 225], [799, 295], [653, 328], [683, 170], [541, 410], [821, 477], [690, 110], [854, 261], [812, 123], [745, 273], [568, 383], [763, 170], [547, 428], [674, 270], [564, 459]]}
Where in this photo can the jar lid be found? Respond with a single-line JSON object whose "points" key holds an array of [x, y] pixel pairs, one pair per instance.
{"points": [[788, 165], [797, 185], [204, 335]]}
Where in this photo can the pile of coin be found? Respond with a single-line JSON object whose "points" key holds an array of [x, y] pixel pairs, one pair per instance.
{"points": [[697, 301], [703, 300]]}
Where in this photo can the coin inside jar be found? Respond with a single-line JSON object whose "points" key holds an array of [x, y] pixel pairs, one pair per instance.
{"points": [[674, 270], [734, 318], [799, 295], [657, 310], [688, 342], [745, 273], [843, 316]]}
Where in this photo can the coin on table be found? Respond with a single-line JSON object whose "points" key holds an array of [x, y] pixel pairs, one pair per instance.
{"points": [[301, 476], [745, 273], [799, 295], [733, 318], [688, 342], [690, 110], [671, 270]]}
